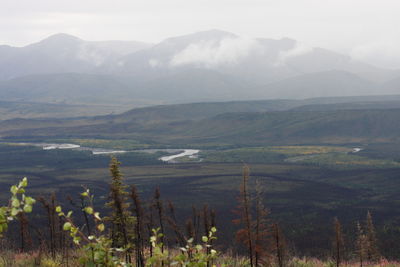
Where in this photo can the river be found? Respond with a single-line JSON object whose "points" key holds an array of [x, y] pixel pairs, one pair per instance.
{"points": [[176, 153]]}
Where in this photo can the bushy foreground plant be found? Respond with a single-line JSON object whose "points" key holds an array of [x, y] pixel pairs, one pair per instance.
{"points": [[99, 251], [97, 247], [19, 203], [191, 255]]}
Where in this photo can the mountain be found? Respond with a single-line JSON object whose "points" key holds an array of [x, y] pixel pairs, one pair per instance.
{"points": [[80, 88], [184, 86], [259, 60], [65, 87], [158, 60], [204, 66], [392, 86], [321, 84], [61, 53], [23, 109], [196, 85], [281, 68], [72, 88]]}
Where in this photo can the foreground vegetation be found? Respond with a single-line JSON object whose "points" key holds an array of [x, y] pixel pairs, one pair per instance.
{"points": [[136, 233], [303, 197], [33, 259]]}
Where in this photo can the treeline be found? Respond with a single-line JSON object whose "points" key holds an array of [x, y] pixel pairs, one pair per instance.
{"points": [[265, 244], [149, 233]]}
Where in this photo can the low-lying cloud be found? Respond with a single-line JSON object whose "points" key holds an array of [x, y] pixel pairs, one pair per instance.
{"points": [[298, 50], [212, 54]]}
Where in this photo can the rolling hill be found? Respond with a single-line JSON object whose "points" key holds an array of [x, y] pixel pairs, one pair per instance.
{"points": [[235, 123], [71, 88], [322, 84], [15, 109]]}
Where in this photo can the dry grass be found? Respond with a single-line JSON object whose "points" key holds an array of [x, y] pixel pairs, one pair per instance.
{"points": [[10, 259]]}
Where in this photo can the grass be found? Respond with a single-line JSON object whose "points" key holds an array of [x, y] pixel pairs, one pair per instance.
{"points": [[344, 161], [241, 128], [228, 259], [28, 110], [334, 157], [307, 150]]}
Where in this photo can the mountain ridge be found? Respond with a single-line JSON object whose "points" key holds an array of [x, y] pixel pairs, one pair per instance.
{"points": [[209, 65]]}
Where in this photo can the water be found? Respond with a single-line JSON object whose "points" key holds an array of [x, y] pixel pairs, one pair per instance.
{"points": [[177, 153], [59, 146], [192, 153], [52, 146]]}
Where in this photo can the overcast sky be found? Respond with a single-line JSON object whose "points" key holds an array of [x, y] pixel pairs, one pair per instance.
{"points": [[366, 29]]}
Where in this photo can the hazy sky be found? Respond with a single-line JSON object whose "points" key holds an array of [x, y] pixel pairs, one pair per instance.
{"points": [[366, 29]]}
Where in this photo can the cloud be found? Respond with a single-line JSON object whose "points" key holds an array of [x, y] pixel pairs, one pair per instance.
{"points": [[298, 50], [154, 63], [212, 54], [90, 54]]}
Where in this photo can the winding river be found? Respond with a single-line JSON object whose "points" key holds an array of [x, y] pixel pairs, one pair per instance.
{"points": [[192, 153], [176, 153]]}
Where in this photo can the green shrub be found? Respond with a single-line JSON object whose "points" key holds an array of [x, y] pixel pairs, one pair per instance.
{"points": [[19, 203]]}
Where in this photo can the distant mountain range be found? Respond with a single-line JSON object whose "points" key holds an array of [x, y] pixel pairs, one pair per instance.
{"points": [[62, 53], [205, 66]]}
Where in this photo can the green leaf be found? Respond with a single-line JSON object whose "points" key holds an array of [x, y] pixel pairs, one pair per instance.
{"points": [[30, 200], [14, 189], [69, 214], [100, 227], [27, 208], [67, 226], [4, 227], [97, 256], [25, 181], [15, 203], [89, 210], [14, 212], [58, 209], [76, 240], [21, 191]]}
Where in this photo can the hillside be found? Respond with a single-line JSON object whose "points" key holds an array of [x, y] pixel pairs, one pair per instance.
{"points": [[322, 84], [16, 109], [69, 87], [158, 126]]}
